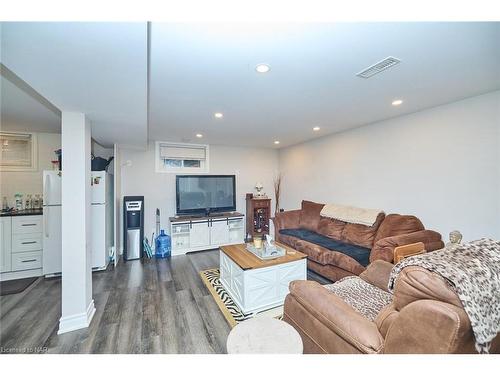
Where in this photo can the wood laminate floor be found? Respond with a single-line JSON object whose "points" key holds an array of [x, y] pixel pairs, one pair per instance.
{"points": [[147, 306]]}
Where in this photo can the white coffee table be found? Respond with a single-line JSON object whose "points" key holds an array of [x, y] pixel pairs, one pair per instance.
{"points": [[256, 285], [262, 335]]}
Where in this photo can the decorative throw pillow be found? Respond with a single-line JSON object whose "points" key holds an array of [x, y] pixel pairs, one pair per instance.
{"points": [[310, 215]]}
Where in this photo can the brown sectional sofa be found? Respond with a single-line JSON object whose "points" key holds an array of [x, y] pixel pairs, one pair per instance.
{"points": [[337, 249], [425, 316]]}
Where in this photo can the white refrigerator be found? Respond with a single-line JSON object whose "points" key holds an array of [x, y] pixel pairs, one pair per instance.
{"points": [[52, 262], [102, 219], [102, 225]]}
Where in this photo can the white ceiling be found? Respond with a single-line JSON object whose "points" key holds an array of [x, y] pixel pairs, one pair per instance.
{"points": [[199, 70], [96, 68], [195, 70], [21, 111]]}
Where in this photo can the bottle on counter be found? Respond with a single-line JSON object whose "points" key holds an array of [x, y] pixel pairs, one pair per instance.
{"points": [[36, 202], [5, 205], [19, 201], [27, 204]]}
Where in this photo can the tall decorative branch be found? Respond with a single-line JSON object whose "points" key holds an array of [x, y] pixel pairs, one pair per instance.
{"points": [[277, 191]]}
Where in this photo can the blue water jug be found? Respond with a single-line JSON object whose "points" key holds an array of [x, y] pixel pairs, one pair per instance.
{"points": [[163, 245]]}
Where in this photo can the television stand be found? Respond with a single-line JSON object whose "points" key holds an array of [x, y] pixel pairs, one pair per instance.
{"points": [[195, 233]]}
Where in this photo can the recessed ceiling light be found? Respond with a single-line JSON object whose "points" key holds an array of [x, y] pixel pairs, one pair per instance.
{"points": [[316, 128], [276, 142], [397, 102], [199, 135], [218, 115], [262, 68]]}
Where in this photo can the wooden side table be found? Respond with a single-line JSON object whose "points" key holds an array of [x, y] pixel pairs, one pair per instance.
{"points": [[258, 216], [262, 335]]}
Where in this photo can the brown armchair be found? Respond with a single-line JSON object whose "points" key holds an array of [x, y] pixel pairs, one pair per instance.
{"points": [[425, 316]]}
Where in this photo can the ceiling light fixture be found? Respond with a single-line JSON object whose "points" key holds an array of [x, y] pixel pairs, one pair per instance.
{"points": [[199, 135], [262, 68], [276, 142], [218, 115], [316, 128], [397, 102]]}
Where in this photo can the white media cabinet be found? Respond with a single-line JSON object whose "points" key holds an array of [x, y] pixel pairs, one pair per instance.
{"points": [[195, 233]]}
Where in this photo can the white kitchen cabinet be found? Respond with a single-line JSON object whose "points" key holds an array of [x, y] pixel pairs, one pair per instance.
{"points": [[21, 247], [5, 244]]}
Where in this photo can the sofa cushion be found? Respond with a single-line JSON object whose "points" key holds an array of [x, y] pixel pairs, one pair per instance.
{"points": [[288, 240], [395, 224], [314, 252], [309, 215], [362, 235], [332, 228], [358, 253], [365, 298]]}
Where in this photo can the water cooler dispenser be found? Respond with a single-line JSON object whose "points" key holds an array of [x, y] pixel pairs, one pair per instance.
{"points": [[133, 227]]}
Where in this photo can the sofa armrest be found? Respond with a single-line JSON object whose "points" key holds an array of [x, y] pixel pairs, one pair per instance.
{"points": [[338, 318], [384, 248], [427, 326], [285, 220]]}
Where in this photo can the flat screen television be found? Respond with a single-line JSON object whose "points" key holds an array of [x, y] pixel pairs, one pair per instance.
{"points": [[204, 194]]}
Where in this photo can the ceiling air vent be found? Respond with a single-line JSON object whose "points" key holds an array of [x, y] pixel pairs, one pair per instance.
{"points": [[378, 67]]}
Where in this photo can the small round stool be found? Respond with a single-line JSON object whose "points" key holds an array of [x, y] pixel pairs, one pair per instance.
{"points": [[264, 335]]}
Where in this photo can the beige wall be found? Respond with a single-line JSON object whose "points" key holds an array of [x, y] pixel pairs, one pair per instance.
{"points": [[31, 182], [248, 164], [441, 164]]}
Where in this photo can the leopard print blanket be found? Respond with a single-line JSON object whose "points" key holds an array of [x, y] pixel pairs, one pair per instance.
{"points": [[473, 271], [362, 296]]}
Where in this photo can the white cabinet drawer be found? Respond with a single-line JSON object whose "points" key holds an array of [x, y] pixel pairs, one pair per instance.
{"points": [[27, 224], [26, 242], [26, 261]]}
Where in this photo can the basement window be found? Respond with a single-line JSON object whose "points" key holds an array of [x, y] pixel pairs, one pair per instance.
{"points": [[181, 158], [18, 152]]}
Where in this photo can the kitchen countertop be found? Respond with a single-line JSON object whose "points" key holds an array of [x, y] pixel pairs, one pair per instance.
{"points": [[22, 212]]}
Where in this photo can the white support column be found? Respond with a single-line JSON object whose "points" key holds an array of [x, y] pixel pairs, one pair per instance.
{"points": [[77, 303]]}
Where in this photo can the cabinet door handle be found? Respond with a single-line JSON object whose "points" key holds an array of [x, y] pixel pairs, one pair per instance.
{"points": [[28, 225], [28, 243], [28, 261]]}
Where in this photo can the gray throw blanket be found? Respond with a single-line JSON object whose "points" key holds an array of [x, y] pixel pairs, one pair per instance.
{"points": [[473, 271]]}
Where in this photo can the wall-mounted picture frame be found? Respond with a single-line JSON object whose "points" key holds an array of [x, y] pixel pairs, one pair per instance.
{"points": [[18, 152]]}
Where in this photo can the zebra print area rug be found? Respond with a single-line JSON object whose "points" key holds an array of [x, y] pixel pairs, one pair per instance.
{"points": [[232, 313]]}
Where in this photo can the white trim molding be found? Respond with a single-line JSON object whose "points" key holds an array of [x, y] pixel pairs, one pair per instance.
{"points": [[76, 321]]}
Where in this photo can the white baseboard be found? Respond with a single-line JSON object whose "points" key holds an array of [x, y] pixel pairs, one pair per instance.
{"points": [[76, 321], [20, 274]]}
